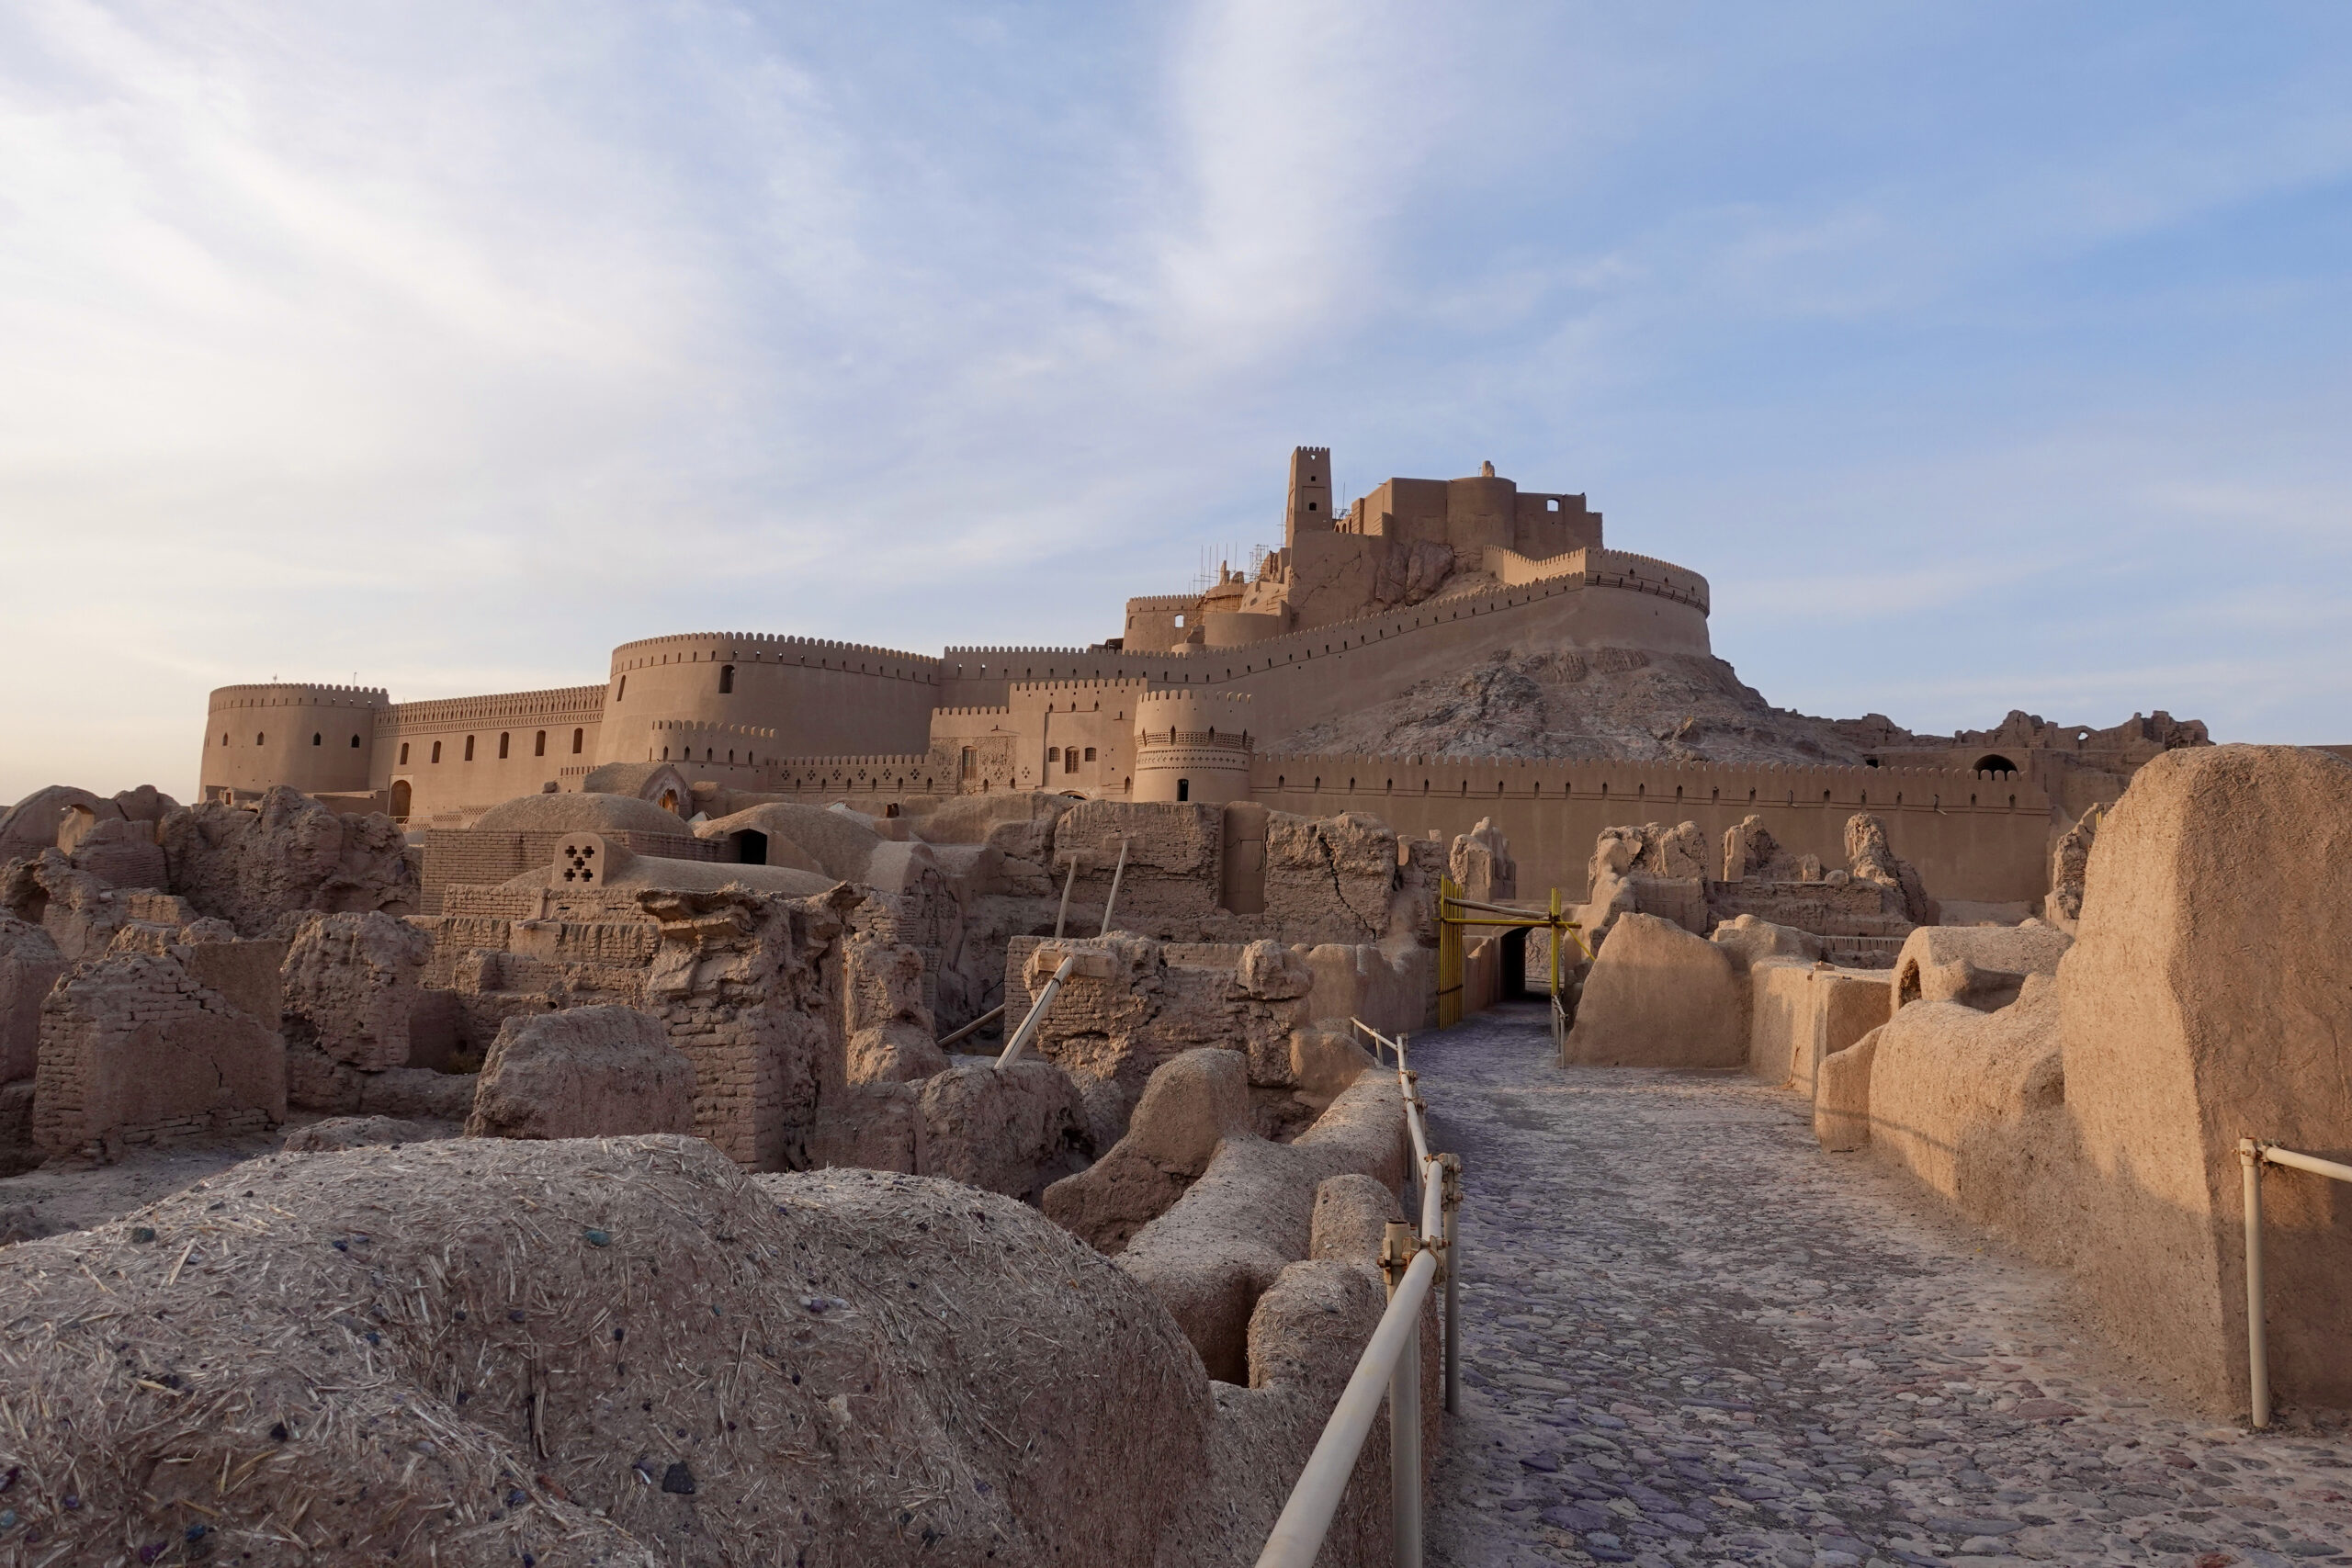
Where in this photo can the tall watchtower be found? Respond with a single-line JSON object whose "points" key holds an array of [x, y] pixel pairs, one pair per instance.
{"points": [[1309, 510]]}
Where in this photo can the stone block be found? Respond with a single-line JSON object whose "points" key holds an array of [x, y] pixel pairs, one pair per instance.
{"points": [[1659, 997], [1012, 1128], [583, 1073], [351, 981]]}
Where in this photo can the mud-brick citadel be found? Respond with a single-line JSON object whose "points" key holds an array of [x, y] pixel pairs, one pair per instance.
{"points": [[1437, 649]]}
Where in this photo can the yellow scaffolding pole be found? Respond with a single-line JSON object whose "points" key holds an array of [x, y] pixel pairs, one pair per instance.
{"points": [[1456, 910]]}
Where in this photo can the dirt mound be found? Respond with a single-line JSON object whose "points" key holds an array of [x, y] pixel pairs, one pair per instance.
{"points": [[1613, 703], [609, 1351]]}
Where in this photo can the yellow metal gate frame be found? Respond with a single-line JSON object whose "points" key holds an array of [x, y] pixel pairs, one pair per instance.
{"points": [[1456, 910]]}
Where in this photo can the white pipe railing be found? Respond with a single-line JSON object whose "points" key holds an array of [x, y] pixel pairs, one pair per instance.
{"points": [[1112, 901], [1013, 1047], [1414, 1259], [2253, 1155]]}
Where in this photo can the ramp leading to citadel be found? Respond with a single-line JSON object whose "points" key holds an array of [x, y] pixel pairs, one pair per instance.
{"points": [[1692, 1338]]}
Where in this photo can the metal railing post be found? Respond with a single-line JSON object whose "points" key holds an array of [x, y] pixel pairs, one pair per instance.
{"points": [[1397, 1249], [1013, 1047], [1452, 1262], [2257, 1356], [1112, 901], [1068, 883]]}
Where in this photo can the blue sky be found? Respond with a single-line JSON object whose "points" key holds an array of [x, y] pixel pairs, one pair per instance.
{"points": [[1982, 356]]}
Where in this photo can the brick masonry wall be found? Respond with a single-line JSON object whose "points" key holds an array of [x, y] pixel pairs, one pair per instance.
{"points": [[133, 1050]]}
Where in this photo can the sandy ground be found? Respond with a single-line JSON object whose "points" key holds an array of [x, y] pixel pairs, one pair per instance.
{"points": [[65, 1197]]}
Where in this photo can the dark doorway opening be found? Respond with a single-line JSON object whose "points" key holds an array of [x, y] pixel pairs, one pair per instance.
{"points": [[1514, 957], [750, 847], [1183, 789]]}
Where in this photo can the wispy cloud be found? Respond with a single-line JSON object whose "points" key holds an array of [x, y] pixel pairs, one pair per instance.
{"points": [[1979, 359]]}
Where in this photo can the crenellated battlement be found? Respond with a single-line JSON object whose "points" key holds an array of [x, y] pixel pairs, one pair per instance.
{"points": [[1082, 683], [705, 727], [295, 694], [1168, 694], [567, 705], [769, 647], [1659, 783]]}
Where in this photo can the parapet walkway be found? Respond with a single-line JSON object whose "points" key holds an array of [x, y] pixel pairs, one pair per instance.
{"points": [[1692, 1338]]}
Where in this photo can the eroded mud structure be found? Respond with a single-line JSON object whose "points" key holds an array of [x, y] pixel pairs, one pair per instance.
{"points": [[793, 1102]]}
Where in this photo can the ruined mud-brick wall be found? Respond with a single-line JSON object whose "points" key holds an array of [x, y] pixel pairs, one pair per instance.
{"points": [[503, 953], [925, 915], [134, 1050], [1234, 873], [1856, 905], [748, 986], [284, 857], [1974, 836], [1329, 879], [457, 857], [1173, 883], [1137, 1003]]}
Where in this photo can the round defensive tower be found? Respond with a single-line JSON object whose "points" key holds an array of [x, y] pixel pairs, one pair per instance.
{"points": [[788, 696], [317, 738], [1192, 744]]}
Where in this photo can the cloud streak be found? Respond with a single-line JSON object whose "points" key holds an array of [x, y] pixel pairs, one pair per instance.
{"points": [[1967, 354]]}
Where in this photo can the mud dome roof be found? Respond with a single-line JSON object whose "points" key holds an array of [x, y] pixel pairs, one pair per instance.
{"points": [[578, 814]]}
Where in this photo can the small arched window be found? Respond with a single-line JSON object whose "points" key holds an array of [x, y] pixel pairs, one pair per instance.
{"points": [[470, 747], [504, 737], [316, 738], [354, 743], [224, 738], [259, 736], [539, 746], [577, 736], [726, 679], [1053, 753], [403, 753], [620, 688], [436, 751]]}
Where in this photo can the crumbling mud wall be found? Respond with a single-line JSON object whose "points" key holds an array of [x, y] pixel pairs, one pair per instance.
{"points": [[286, 856], [1134, 1004], [2087, 1098], [748, 987], [135, 1050], [589, 1072]]}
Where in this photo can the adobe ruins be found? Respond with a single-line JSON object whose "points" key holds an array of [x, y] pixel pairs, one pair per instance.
{"points": [[799, 1102]]}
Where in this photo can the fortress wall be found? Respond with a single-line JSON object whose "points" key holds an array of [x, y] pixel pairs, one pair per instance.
{"points": [[822, 698], [1978, 837], [1377, 660], [406, 734], [256, 735], [1072, 717], [1632, 609]]}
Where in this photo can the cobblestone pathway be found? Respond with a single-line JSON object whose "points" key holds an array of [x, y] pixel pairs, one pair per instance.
{"points": [[1692, 1338]]}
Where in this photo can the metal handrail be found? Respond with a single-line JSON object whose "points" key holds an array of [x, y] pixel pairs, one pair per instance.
{"points": [[2253, 1155], [1413, 1260], [1012, 1047]]}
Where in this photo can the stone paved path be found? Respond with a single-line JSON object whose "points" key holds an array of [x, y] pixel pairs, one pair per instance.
{"points": [[1693, 1339]]}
